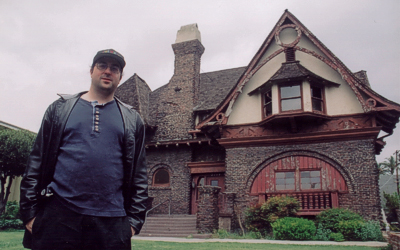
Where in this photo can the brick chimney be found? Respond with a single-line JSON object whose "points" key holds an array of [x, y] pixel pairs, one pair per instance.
{"points": [[175, 110]]}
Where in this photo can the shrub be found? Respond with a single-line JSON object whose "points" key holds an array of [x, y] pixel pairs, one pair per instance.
{"points": [[322, 233], [279, 207], [336, 237], [290, 228], [330, 218], [260, 217], [371, 231], [256, 220], [11, 218], [350, 229]]}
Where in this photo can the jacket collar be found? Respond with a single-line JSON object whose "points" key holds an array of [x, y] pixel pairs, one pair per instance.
{"points": [[68, 97]]}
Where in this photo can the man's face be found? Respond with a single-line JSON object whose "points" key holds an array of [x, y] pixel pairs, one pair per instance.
{"points": [[105, 80]]}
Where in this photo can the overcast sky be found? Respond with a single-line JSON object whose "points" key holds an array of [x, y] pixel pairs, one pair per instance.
{"points": [[47, 46]]}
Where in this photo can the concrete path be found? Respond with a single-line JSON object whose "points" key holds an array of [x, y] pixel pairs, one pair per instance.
{"points": [[345, 243]]}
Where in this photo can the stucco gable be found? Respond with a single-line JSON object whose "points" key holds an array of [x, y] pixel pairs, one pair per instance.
{"points": [[320, 53]]}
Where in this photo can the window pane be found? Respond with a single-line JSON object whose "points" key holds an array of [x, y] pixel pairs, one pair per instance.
{"points": [[305, 186], [290, 181], [305, 174], [280, 175], [267, 97], [280, 187], [290, 91], [291, 104], [315, 173], [201, 181], [268, 109], [316, 92], [280, 181], [290, 187], [289, 174], [317, 105], [214, 183], [305, 180], [315, 180], [161, 177]]}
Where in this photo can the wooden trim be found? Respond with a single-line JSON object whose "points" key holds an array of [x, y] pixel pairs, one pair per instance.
{"points": [[340, 135], [206, 167]]}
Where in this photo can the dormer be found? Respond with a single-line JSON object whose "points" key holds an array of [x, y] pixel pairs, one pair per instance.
{"points": [[293, 91]]}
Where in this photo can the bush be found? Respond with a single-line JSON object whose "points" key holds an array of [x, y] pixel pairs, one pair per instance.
{"points": [[256, 220], [290, 228], [330, 218], [336, 237], [260, 217], [322, 233], [371, 231], [350, 229], [280, 207], [11, 218]]}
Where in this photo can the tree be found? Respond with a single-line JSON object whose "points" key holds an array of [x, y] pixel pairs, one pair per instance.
{"points": [[15, 146], [388, 166]]}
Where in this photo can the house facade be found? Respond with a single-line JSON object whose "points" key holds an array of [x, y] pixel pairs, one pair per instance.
{"points": [[294, 121]]}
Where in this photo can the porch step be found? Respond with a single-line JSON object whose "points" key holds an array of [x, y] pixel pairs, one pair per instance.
{"points": [[170, 226]]}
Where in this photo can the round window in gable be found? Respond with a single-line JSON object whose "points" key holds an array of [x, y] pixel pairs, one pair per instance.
{"points": [[161, 178]]}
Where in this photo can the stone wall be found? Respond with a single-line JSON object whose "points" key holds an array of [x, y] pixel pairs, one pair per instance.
{"points": [[394, 240], [174, 160], [355, 160]]}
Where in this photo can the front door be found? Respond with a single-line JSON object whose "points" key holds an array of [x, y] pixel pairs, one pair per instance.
{"points": [[198, 180]]}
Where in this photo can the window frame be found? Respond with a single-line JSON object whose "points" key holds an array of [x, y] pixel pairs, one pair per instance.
{"points": [[264, 104], [154, 184], [322, 99], [295, 181], [310, 189], [280, 99]]}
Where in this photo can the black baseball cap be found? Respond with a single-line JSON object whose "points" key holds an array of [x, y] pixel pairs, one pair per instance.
{"points": [[110, 53]]}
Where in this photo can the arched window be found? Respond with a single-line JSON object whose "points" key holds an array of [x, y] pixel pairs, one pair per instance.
{"points": [[161, 178]]}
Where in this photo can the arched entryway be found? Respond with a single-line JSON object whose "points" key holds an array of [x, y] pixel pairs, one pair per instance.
{"points": [[314, 182]]}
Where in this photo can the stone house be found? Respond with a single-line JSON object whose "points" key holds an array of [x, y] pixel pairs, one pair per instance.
{"points": [[294, 121]]}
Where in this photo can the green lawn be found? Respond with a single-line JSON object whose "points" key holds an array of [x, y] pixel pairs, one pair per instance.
{"points": [[12, 240]]}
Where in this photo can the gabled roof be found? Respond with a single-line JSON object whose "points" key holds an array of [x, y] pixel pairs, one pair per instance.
{"points": [[286, 20], [215, 86]]}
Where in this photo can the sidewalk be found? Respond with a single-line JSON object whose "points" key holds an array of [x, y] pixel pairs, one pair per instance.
{"points": [[345, 243]]}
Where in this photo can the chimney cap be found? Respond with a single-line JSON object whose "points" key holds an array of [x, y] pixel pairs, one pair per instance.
{"points": [[187, 33]]}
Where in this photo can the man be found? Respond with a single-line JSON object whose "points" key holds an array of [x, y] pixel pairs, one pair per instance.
{"points": [[85, 185]]}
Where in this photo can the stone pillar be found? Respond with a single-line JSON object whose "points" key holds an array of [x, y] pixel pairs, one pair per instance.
{"points": [[226, 216], [394, 240], [208, 211]]}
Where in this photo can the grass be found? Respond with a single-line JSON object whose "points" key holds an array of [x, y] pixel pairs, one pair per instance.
{"points": [[12, 240]]}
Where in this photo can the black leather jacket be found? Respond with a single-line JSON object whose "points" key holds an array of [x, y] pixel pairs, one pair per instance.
{"points": [[43, 158]]}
